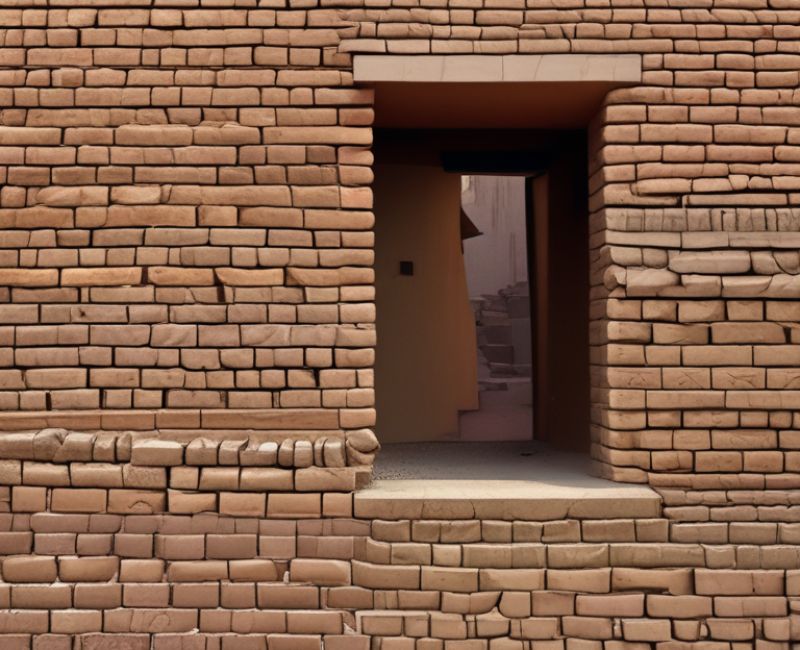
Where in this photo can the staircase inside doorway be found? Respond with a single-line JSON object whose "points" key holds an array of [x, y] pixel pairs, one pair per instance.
{"points": [[505, 392], [496, 265]]}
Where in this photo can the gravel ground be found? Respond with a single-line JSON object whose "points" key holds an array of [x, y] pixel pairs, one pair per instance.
{"points": [[512, 461]]}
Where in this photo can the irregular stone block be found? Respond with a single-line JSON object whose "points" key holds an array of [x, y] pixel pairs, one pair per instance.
{"points": [[156, 453]]}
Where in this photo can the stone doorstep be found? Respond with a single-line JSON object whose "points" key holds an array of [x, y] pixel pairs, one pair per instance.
{"points": [[504, 500]]}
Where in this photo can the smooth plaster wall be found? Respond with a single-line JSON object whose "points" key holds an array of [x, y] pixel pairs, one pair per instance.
{"points": [[426, 358]]}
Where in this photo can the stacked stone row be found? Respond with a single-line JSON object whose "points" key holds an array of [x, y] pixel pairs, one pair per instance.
{"points": [[248, 36], [55, 457], [694, 237], [299, 580], [61, 446], [184, 220], [699, 337], [87, 475], [189, 307], [473, 594]]}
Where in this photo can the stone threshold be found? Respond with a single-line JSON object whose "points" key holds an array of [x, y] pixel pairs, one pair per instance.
{"points": [[495, 480], [503, 500]]}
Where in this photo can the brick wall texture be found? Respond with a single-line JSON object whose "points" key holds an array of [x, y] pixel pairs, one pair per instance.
{"points": [[186, 251]]}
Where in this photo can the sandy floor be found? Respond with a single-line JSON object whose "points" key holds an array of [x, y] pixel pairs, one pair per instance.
{"points": [[510, 461]]}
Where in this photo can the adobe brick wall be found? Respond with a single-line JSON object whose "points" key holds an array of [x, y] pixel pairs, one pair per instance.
{"points": [[196, 548], [186, 249], [185, 221]]}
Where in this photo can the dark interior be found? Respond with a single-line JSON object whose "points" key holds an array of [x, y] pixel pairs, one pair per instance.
{"points": [[555, 165]]}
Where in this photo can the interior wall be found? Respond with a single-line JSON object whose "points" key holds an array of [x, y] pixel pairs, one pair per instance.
{"points": [[562, 279], [426, 356], [496, 205]]}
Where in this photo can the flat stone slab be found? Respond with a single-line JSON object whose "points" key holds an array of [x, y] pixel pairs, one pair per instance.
{"points": [[472, 68], [505, 500]]}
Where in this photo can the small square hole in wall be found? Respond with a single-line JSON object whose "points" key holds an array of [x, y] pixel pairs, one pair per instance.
{"points": [[406, 268]]}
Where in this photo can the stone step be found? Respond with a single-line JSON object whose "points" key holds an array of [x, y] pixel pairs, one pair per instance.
{"points": [[494, 320], [499, 369], [497, 353], [524, 370], [495, 334], [579, 498], [519, 307]]}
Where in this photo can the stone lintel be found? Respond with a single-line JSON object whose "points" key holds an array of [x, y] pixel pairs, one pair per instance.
{"points": [[472, 68]]}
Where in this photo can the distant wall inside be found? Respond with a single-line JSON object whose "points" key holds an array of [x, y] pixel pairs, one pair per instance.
{"points": [[426, 353]]}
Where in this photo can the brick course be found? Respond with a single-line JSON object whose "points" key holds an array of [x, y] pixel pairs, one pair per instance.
{"points": [[264, 568]]}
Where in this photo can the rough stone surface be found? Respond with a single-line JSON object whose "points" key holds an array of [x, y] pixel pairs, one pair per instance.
{"points": [[186, 252]]}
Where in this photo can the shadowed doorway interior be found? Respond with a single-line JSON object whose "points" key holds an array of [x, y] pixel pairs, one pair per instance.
{"points": [[495, 249], [473, 228]]}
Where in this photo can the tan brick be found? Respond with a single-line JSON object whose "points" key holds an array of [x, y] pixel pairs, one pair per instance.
{"points": [[156, 452], [28, 499], [294, 506], [242, 505], [375, 576], [199, 571], [136, 502], [191, 502], [87, 569], [78, 500], [29, 569], [231, 546], [588, 580], [320, 572]]}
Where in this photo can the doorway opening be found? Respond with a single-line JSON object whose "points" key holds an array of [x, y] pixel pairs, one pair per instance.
{"points": [[482, 288], [495, 250]]}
